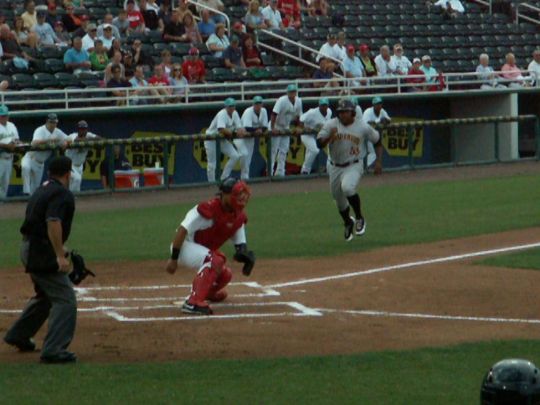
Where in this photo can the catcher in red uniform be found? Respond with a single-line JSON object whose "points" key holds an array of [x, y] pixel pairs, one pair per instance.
{"points": [[199, 237]]}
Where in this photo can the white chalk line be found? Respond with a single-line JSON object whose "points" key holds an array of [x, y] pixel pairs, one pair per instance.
{"points": [[84, 290], [388, 314], [405, 266]]}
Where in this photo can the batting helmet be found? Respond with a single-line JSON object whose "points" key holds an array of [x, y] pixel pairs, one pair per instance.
{"points": [[346, 105], [511, 382]]}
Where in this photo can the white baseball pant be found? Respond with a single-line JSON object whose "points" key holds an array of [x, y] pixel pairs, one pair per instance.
{"points": [[245, 148], [192, 255], [344, 182], [228, 150], [279, 151], [76, 178], [312, 151], [32, 173], [6, 166]]}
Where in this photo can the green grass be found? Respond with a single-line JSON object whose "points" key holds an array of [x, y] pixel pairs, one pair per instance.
{"points": [[449, 375], [528, 259], [306, 225]]}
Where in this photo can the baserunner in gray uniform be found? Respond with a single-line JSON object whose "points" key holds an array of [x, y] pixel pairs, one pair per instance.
{"points": [[345, 136]]}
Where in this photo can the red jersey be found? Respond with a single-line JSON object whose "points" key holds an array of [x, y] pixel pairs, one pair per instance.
{"points": [[135, 18], [156, 80], [193, 70], [224, 227], [289, 8]]}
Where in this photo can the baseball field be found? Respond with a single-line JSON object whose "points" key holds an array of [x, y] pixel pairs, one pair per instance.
{"points": [[443, 285]]}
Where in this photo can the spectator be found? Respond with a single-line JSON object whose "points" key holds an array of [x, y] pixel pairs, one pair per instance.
{"points": [[150, 11], [83, 28], [29, 16], [272, 16], [159, 81], [290, 13], [12, 50], [24, 36], [512, 72], [318, 7], [206, 26], [140, 57], [77, 59], [251, 54], [135, 5], [254, 18], [120, 162], [384, 63], [116, 47], [216, 5], [174, 31], [98, 57], [118, 81], [450, 8], [182, 9], [401, 62], [370, 68], [179, 83], [232, 56], [43, 30], [70, 20], [416, 83], [238, 30], [325, 77], [341, 49], [192, 31], [63, 36], [90, 37], [329, 50], [353, 68], [376, 114], [108, 20], [52, 14], [115, 61], [129, 63], [486, 73], [218, 42], [193, 67], [166, 62], [135, 18], [164, 15], [122, 23], [534, 68], [107, 38], [432, 76], [143, 90]]}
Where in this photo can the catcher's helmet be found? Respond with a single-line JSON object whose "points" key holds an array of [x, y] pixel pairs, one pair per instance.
{"points": [[346, 104], [511, 382], [239, 190], [226, 186]]}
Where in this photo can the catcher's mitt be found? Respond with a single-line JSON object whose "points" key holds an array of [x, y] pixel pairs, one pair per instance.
{"points": [[79, 272], [247, 257]]}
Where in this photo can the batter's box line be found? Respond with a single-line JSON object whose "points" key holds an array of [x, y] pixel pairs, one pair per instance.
{"points": [[301, 310]]}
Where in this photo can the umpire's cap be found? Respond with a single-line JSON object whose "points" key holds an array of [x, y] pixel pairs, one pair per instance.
{"points": [[52, 117], [59, 166], [346, 104]]}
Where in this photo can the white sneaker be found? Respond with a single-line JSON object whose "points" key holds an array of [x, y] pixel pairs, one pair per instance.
{"points": [[360, 227]]}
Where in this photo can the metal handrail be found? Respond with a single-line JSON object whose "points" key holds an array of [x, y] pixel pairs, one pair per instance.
{"points": [[488, 3], [525, 17], [196, 4]]}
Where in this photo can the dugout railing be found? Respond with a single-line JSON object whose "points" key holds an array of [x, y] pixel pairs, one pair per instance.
{"points": [[166, 142]]}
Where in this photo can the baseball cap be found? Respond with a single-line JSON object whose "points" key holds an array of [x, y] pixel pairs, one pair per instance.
{"points": [[364, 47], [235, 38], [60, 165], [257, 100], [350, 48], [82, 124], [237, 25], [4, 110], [426, 57], [84, 17], [324, 101], [376, 100], [193, 51], [230, 102], [52, 117], [292, 87], [106, 26], [59, 23], [91, 27], [416, 60]]}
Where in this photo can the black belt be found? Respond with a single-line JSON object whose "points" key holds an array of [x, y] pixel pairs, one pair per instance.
{"points": [[344, 164]]}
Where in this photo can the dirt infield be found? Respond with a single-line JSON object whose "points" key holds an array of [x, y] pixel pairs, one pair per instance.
{"points": [[392, 298]]}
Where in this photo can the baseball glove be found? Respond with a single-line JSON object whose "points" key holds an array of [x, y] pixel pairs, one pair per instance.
{"points": [[248, 258], [79, 272]]}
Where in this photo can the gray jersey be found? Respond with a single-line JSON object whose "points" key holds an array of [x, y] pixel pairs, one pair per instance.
{"points": [[348, 144]]}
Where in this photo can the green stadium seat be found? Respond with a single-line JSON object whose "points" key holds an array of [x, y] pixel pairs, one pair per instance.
{"points": [[66, 79], [54, 65], [22, 81], [44, 80]]}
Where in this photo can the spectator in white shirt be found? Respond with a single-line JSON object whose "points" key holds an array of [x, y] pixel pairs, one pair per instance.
{"points": [[89, 38], [485, 72], [44, 31], [534, 68], [340, 47], [108, 36], [401, 62], [385, 65], [450, 8], [108, 19], [272, 17], [352, 67], [328, 49]]}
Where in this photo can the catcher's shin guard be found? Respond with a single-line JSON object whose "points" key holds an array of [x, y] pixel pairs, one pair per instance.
{"points": [[206, 277], [217, 292]]}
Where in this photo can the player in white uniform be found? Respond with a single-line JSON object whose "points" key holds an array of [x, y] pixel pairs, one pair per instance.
{"points": [[345, 136], [377, 114], [286, 111], [33, 161], [314, 119], [255, 122], [9, 139], [78, 156], [226, 123]]}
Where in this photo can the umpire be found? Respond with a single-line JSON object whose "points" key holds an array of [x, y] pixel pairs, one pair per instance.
{"points": [[46, 228]]}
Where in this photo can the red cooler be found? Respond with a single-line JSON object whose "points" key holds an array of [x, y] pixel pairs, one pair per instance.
{"points": [[126, 178], [153, 176]]}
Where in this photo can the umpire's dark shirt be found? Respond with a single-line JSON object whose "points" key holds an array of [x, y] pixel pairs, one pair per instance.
{"points": [[51, 201]]}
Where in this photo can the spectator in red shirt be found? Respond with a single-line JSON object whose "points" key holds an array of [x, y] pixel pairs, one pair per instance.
{"points": [[193, 68], [135, 18], [159, 81], [290, 13], [70, 20], [252, 56], [416, 82]]}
